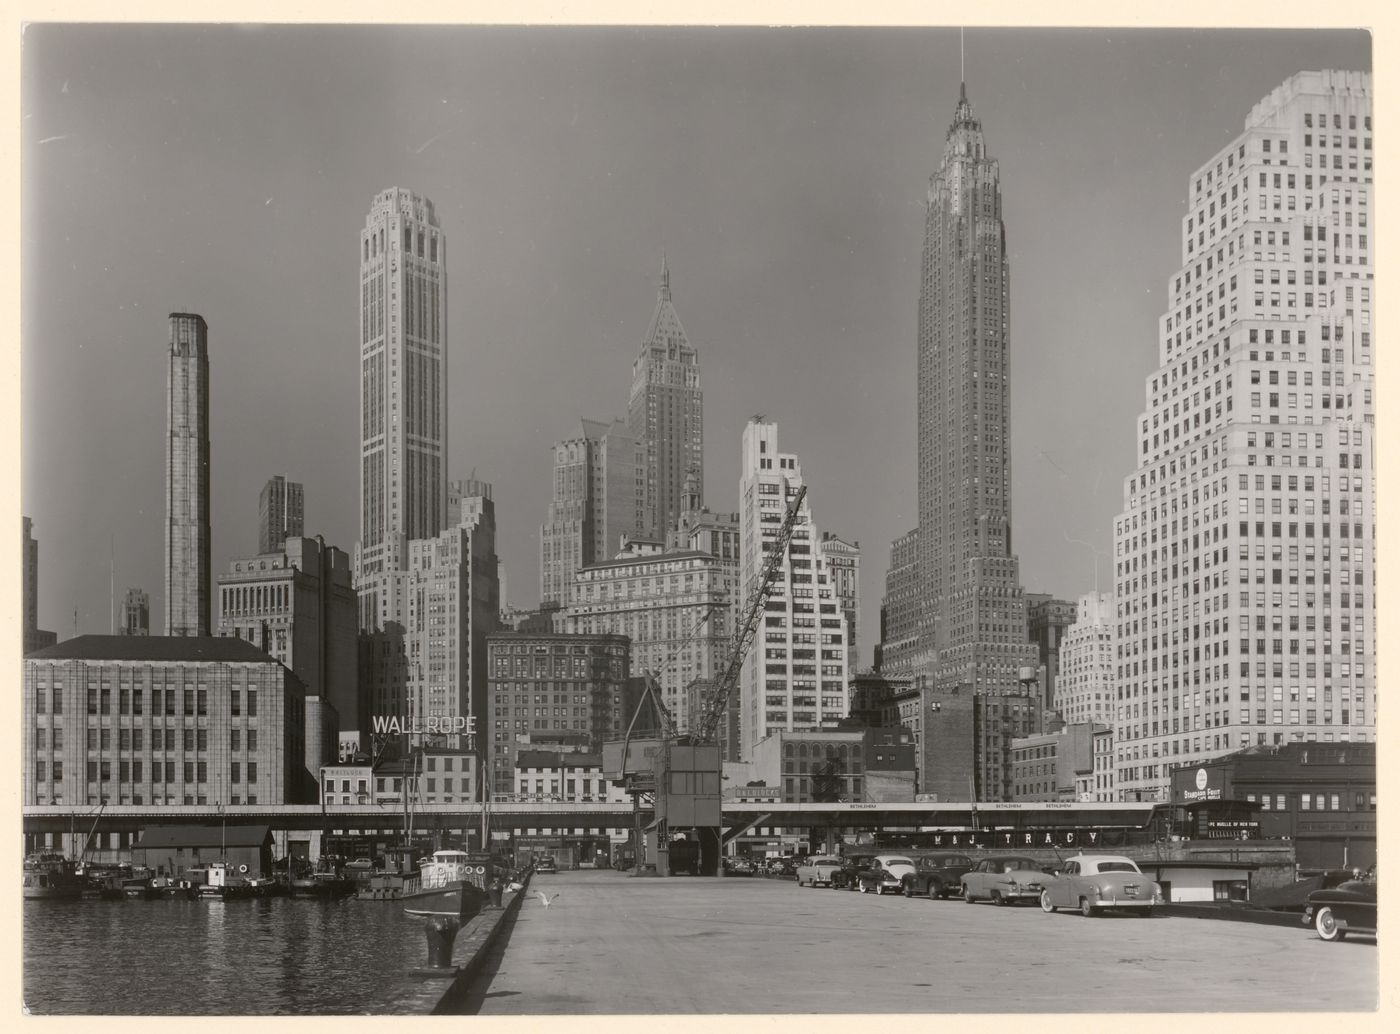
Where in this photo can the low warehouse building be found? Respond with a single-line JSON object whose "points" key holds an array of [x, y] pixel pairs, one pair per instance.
{"points": [[170, 850]]}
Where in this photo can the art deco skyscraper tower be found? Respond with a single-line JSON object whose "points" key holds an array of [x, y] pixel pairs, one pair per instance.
{"points": [[972, 613], [665, 414], [403, 389], [187, 583]]}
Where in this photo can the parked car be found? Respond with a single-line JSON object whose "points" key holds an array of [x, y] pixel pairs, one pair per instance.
{"points": [[885, 872], [1092, 883], [817, 869], [546, 865], [738, 867], [1003, 880], [938, 876], [847, 877], [1347, 908]]}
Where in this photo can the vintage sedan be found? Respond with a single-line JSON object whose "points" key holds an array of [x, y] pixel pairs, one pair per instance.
{"points": [[1347, 908], [817, 870], [847, 877], [885, 872], [938, 875], [1093, 883], [1003, 880]]}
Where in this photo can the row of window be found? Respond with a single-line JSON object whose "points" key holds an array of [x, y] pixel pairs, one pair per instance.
{"points": [[135, 771]]}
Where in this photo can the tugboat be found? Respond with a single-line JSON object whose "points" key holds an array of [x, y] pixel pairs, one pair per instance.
{"points": [[451, 883], [51, 876], [220, 881]]}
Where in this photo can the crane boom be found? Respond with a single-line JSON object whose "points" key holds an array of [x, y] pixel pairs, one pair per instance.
{"points": [[747, 628]]}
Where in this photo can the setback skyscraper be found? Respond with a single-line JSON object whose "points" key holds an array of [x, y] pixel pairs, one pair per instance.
{"points": [[665, 415], [1246, 553], [187, 575], [795, 678], [972, 611], [403, 389]]}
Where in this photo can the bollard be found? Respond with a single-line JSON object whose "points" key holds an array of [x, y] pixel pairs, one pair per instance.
{"points": [[441, 932]]}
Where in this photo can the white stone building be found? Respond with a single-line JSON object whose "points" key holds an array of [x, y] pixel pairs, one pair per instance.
{"points": [[1245, 551]]}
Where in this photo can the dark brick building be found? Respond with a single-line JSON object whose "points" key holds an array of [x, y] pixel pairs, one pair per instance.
{"points": [[1322, 796]]}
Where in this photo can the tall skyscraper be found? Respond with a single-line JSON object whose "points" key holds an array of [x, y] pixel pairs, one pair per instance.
{"points": [[665, 414], [187, 574], [972, 611], [136, 613], [598, 498], [403, 389], [795, 678], [281, 513], [1246, 549]]}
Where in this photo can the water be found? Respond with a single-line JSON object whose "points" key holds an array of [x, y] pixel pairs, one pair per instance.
{"points": [[271, 956]]}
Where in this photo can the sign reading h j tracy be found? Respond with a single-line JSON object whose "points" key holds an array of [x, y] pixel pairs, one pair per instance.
{"points": [[430, 724]]}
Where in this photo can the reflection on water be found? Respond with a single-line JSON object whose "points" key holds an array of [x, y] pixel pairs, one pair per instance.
{"points": [[173, 957]]}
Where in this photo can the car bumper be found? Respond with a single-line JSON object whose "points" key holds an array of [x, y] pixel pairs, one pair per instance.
{"points": [[1019, 893]]}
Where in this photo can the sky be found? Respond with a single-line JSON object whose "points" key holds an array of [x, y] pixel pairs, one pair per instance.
{"points": [[227, 170]]}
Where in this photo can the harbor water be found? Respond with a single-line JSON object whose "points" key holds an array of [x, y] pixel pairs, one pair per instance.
{"points": [[268, 956]]}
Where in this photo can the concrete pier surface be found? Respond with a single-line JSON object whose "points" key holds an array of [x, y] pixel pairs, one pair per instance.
{"points": [[614, 944]]}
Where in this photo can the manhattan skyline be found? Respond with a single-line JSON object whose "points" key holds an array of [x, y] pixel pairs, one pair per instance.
{"points": [[226, 171]]}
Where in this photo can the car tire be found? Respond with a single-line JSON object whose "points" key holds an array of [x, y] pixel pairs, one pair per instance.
{"points": [[967, 894], [1045, 905], [935, 891], [1326, 925], [864, 889], [997, 899], [1085, 909], [908, 889]]}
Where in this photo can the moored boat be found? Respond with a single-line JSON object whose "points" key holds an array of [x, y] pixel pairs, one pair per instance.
{"points": [[451, 883], [50, 876]]}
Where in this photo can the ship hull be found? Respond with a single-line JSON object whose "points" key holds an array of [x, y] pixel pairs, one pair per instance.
{"points": [[446, 901]]}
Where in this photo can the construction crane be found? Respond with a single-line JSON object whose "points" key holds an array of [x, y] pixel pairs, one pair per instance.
{"points": [[747, 628], [717, 704]]}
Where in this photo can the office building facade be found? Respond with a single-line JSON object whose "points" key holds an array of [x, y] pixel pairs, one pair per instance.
{"points": [[548, 691], [1245, 553], [1047, 619], [674, 607], [297, 604], [281, 513], [162, 720], [599, 498], [794, 677], [187, 572], [1084, 691], [842, 562]]}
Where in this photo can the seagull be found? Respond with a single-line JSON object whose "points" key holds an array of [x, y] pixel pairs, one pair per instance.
{"points": [[544, 898]]}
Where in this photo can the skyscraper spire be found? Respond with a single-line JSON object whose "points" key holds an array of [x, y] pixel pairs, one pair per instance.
{"points": [[665, 278]]}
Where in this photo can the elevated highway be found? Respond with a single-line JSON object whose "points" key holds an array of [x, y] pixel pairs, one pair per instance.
{"points": [[597, 815]]}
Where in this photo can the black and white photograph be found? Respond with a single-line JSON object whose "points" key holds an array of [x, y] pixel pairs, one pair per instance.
{"points": [[640, 520]]}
